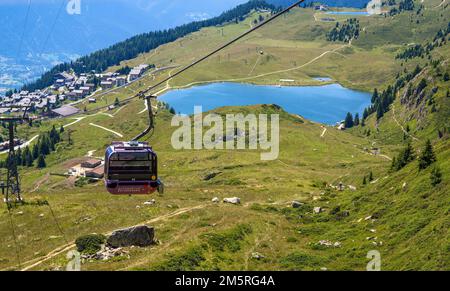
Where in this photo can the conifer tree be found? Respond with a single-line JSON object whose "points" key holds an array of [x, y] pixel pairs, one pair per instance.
{"points": [[357, 120], [349, 121], [427, 157], [436, 176], [41, 162]]}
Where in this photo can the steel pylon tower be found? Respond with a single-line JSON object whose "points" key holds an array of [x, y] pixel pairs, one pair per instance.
{"points": [[11, 187]]}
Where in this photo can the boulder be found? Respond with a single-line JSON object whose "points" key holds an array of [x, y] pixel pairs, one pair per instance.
{"points": [[211, 176], [140, 236], [296, 204], [234, 200], [257, 256], [344, 214], [215, 200], [318, 210], [150, 203]]}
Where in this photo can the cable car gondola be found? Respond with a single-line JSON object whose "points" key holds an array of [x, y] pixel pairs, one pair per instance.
{"points": [[131, 168]]}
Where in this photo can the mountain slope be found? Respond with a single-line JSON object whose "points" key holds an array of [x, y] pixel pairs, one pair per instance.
{"points": [[335, 3], [400, 214]]}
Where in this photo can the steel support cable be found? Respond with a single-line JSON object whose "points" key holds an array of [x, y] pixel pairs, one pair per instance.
{"points": [[16, 244], [58, 225], [144, 92]]}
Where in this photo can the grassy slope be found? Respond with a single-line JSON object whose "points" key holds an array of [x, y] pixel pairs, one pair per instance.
{"points": [[412, 223]]}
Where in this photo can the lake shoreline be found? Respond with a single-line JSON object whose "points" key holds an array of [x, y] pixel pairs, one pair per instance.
{"points": [[322, 102]]}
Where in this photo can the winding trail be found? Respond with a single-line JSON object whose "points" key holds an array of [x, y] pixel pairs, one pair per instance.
{"points": [[401, 126], [324, 132], [75, 122], [106, 129], [67, 247], [24, 145], [254, 67], [334, 51], [442, 3]]}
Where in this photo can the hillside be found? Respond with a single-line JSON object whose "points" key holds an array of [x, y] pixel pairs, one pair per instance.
{"points": [[397, 212], [38, 35], [335, 3]]}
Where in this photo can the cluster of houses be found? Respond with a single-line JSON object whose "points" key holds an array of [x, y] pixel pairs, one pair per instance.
{"points": [[21, 100], [78, 87], [110, 80], [137, 72], [68, 87], [73, 87]]}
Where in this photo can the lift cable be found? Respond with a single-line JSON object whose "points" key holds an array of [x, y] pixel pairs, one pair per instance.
{"points": [[13, 231], [142, 93], [58, 225], [24, 29]]}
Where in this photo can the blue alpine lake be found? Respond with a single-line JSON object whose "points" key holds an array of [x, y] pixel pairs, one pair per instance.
{"points": [[326, 104]]}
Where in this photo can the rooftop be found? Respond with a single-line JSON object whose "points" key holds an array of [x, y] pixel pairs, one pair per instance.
{"points": [[66, 110]]}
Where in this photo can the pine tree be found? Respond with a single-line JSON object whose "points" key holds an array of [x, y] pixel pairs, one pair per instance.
{"points": [[35, 153], [357, 120], [365, 181], [365, 114], [61, 130], [349, 121], [18, 156], [427, 158], [375, 96], [394, 164], [172, 110], [370, 176], [436, 176], [24, 156], [54, 135], [41, 162], [405, 157], [44, 148], [29, 158]]}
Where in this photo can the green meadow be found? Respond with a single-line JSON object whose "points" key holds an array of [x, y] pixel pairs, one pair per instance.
{"points": [[400, 214]]}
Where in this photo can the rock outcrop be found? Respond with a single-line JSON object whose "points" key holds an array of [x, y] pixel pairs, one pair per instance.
{"points": [[139, 236]]}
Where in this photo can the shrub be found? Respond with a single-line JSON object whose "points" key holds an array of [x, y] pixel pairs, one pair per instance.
{"points": [[90, 244], [436, 177]]}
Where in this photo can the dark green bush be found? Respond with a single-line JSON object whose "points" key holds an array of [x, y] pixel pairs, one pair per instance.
{"points": [[90, 244]]}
